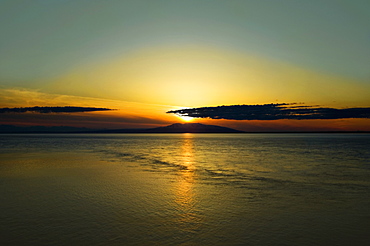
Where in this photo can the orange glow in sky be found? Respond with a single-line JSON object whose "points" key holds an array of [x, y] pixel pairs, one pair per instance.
{"points": [[143, 63]]}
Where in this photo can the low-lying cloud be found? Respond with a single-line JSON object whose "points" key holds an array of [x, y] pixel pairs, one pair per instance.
{"points": [[47, 110], [272, 112]]}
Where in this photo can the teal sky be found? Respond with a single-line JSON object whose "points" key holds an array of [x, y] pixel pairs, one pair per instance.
{"points": [[44, 39]]}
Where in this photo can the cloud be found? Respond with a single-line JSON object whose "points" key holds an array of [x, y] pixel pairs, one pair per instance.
{"points": [[47, 110], [272, 112]]}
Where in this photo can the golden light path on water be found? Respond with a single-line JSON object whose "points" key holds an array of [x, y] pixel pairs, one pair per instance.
{"points": [[184, 189]]}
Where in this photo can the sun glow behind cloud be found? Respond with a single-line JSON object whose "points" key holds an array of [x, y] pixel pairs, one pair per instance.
{"points": [[186, 118], [193, 76]]}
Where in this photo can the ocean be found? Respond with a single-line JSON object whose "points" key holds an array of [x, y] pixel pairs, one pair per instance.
{"points": [[185, 189]]}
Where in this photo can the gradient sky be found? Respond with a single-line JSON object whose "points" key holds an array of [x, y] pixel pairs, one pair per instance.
{"points": [[147, 57]]}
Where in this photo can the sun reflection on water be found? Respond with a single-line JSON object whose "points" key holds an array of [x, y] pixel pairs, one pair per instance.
{"points": [[184, 190]]}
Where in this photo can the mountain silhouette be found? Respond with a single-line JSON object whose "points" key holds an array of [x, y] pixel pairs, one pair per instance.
{"points": [[191, 128], [174, 128]]}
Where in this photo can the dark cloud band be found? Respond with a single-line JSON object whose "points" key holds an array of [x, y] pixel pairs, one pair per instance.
{"points": [[47, 110], [272, 112]]}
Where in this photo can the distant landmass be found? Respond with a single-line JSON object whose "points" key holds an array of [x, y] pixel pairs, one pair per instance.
{"points": [[192, 128], [174, 128]]}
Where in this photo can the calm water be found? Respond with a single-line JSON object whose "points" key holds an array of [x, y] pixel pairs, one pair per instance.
{"points": [[185, 189]]}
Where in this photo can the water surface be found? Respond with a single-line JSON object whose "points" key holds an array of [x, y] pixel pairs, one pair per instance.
{"points": [[185, 189]]}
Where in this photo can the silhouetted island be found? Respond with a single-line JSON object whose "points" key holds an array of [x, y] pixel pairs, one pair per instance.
{"points": [[192, 128], [178, 128]]}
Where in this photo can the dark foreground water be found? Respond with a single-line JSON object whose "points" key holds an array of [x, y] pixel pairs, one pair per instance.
{"points": [[185, 189]]}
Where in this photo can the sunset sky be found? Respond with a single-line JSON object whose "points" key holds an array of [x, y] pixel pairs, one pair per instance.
{"points": [[143, 58]]}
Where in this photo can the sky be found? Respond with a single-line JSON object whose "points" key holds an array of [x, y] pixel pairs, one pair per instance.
{"points": [[144, 58]]}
